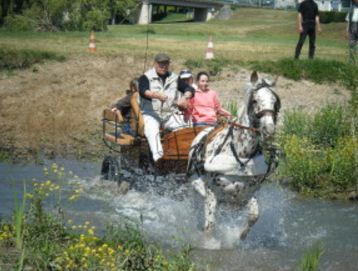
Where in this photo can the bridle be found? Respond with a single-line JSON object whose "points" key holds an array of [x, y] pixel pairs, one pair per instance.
{"points": [[265, 112]]}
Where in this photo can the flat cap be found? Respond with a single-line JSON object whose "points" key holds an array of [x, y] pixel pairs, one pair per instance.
{"points": [[161, 57]]}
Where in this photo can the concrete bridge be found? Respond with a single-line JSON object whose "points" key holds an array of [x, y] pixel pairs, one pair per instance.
{"points": [[202, 8]]}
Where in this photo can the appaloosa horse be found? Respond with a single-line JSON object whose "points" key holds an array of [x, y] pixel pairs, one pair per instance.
{"points": [[227, 162]]}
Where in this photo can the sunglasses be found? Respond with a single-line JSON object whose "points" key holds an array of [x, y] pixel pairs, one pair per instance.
{"points": [[163, 64]]}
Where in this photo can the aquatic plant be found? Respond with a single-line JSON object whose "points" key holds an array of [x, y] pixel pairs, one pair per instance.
{"points": [[311, 258]]}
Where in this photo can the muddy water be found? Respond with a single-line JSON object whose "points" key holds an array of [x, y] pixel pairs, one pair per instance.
{"points": [[169, 213]]}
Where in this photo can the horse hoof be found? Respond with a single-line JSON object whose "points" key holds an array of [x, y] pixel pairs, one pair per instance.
{"points": [[123, 188]]}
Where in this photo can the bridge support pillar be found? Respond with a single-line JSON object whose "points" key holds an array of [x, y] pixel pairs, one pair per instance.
{"points": [[145, 15], [201, 14]]}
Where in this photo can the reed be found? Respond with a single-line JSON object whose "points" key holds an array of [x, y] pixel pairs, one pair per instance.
{"points": [[311, 258]]}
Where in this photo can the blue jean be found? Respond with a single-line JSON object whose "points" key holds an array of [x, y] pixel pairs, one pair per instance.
{"points": [[204, 124]]}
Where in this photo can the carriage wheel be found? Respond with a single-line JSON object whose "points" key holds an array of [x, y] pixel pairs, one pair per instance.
{"points": [[111, 169]]}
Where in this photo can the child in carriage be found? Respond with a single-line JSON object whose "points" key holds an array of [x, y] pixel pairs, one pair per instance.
{"points": [[123, 105]]}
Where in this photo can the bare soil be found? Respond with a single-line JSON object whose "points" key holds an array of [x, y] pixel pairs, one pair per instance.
{"points": [[55, 108]]}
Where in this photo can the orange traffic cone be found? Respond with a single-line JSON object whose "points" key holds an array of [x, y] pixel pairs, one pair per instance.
{"points": [[92, 42], [210, 51]]}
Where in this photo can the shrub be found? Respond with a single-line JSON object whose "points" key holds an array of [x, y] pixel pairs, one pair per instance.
{"points": [[96, 20], [19, 23], [332, 16], [21, 59], [295, 123], [212, 66], [328, 125], [194, 63], [304, 164], [320, 151], [216, 65], [343, 161]]}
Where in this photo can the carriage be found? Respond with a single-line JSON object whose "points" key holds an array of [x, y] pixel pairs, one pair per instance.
{"points": [[124, 136], [227, 162]]}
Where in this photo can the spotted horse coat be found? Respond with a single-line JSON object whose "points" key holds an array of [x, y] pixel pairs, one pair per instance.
{"points": [[228, 165]]}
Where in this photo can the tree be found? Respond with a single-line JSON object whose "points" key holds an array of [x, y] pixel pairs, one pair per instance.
{"points": [[122, 8]]}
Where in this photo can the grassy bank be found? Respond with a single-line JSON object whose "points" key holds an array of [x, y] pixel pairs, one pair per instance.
{"points": [[38, 239], [320, 152]]}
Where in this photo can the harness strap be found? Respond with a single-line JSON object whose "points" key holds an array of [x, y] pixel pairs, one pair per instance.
{"points": [[196, 150], [234, 152], [229, 133]]}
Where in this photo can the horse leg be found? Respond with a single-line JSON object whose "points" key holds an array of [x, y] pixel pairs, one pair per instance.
{"points": [[199, 185], [210, 210], [253, 215]]}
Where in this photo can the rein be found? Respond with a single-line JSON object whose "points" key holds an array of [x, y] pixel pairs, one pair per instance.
{"points": [[237, 124]]}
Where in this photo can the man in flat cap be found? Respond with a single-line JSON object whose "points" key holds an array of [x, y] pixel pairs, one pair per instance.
{"points": [[160, 93]]}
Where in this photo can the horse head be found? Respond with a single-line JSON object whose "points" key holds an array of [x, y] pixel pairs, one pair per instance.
{"points": [[263, 106]]}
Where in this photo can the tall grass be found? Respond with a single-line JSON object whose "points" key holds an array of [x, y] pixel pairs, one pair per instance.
{"points": [[311, 258], [320, 151], [19, 219], [21, 59]]}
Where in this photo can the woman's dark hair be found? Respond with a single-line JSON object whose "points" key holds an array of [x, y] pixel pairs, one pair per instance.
{"points": [[200, 74], [133, 85]]}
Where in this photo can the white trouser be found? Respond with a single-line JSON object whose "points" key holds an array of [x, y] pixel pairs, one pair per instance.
{"points": [[151, 132]]}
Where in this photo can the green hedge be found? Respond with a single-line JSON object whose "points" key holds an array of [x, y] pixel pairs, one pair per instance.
{"points": [[21, 59], [332, 17]]}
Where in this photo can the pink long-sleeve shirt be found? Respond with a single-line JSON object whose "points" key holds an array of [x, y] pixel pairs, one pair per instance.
{"points": [[204, 106]]}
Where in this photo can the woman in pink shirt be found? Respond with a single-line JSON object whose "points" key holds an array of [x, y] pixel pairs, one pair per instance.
{"points": [[205, 107]]}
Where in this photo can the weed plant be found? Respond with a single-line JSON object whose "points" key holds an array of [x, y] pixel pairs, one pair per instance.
{"points": [[21, 59], [213, 66], [232, 107], [48, 242], [311, 258], [320, 151]]}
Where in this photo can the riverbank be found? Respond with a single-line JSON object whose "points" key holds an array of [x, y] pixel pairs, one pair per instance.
{"points": [[56, 109]]}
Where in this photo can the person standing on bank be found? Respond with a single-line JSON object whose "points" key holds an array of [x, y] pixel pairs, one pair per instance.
{"points": [[160, 92], [352, 31], [308, 21]]}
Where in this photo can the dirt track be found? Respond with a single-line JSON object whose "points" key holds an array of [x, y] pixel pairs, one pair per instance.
{"points": [[56, 107]]}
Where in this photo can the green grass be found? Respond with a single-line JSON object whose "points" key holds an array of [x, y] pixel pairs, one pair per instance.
{"points": [[318, 70], [251, 34]]}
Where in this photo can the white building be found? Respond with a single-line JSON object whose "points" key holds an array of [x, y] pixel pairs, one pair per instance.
{"points": [[323, 5]]}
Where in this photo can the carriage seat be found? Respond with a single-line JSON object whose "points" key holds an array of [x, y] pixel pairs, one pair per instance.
{"points": [[136, 120], [112, 126]]}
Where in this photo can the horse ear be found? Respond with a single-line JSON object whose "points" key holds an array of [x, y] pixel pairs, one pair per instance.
{"points": [[254, 77]]}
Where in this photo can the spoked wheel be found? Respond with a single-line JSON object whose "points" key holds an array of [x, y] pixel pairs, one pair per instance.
{"points": [[111, 169]]}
